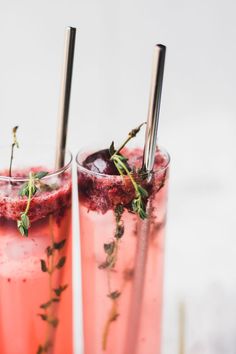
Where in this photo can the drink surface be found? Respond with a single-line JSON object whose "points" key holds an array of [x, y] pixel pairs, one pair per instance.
{"points": [[120, 317], [35, 312]]}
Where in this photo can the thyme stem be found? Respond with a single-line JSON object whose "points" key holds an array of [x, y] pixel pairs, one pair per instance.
{"points": [[14, 144], [131, 135], [118, 162], [30, 193]]}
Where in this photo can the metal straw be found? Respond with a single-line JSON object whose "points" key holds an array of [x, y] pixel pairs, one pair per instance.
{"points": [[144, 225], [154, 107], [65, 96]]}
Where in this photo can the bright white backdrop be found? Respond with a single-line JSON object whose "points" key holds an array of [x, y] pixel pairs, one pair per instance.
{"points": [[110, 95]]}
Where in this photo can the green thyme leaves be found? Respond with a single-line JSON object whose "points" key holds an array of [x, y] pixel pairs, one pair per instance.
{"points": [[59, 245], [121, 162], [28, 190], [60, 289], [54, 261], [139, 202], [31, 187], [114, 294], [44, 267], [109, 247], [23, 224], [61, 262]]}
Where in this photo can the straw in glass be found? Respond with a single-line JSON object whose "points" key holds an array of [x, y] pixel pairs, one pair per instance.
{"points": [[144, 227], [65, 96]]}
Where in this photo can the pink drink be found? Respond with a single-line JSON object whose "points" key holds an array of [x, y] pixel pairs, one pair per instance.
{"points": [[119, 316], [34, 317]]}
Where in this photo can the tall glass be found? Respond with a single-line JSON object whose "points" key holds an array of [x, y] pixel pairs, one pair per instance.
{"points": [[122, 259], [35, 270]]}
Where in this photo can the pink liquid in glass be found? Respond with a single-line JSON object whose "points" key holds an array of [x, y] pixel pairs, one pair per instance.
{"points": [[33, 318], [122, 304]]}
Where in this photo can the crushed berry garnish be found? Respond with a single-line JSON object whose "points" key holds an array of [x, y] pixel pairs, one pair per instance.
{"points": [[101, 194]]}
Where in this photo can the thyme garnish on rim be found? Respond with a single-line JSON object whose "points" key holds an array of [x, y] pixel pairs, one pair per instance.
{"points": [[13, 145], [29, 189], [120, 161]]}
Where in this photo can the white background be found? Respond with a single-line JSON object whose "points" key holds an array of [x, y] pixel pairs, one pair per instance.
{"points": [[110, 94]]}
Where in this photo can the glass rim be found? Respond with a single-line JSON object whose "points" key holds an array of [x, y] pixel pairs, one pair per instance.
{"points": [[49, 175], [84, 169]]}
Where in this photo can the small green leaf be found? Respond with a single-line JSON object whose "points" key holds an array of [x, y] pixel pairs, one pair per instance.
{"points": [[143, 215], [33, 189], [114, 295], [59, 245], [49, 251], [109, 247], [24, 190], [61, 262], [104, 265], [54, 322], [25, 221], [43, 316], [122, 158], [43, 265], [142, 191], [119, 209], [135, 205], [112, 149], [46, 305], [60, 289], [119, 231], [40, 174], [114, 317], [22, 226]]}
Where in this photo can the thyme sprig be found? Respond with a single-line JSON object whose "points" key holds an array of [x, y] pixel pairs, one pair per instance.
{"points": [[111, 250], [53, 262], [132, 134], [29, 189], [120, 161], [14, 145]]}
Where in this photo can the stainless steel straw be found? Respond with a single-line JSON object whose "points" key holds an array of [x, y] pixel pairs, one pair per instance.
{"points": [[144, 226], [154, 107], [65, 96]]}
